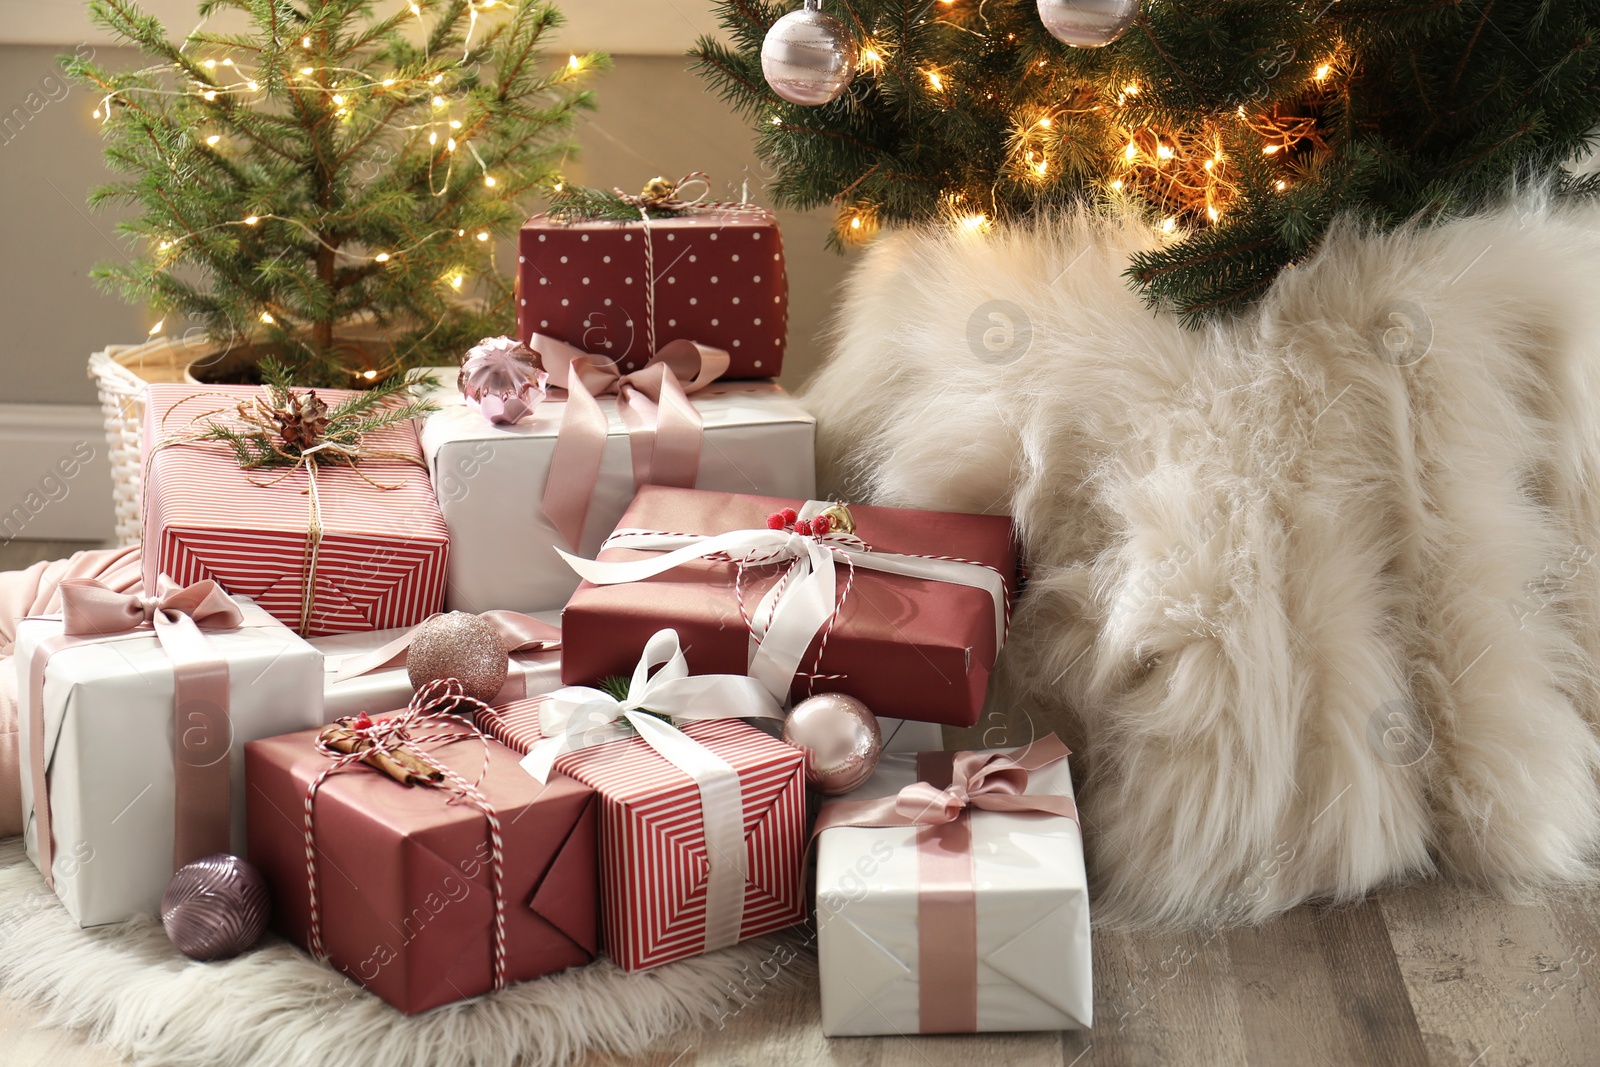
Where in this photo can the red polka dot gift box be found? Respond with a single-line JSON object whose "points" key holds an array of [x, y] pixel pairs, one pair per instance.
{"points": [[718, 279]]}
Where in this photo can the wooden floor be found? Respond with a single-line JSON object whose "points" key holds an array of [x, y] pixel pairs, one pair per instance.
{"points": [[1430, 974]]}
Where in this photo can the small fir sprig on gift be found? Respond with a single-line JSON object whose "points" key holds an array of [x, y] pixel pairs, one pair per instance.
{"points": [[286, 426], [659, 200], [616, 686]]}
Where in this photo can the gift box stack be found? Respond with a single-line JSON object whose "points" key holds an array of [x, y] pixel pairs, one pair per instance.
{"points": [[572, 663]]}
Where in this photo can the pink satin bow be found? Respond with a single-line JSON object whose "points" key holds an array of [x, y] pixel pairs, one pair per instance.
{"points": [[990, 781], [664, 429], [202, 732]]}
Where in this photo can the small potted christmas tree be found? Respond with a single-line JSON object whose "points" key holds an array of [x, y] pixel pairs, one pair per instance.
{"points": [[324, 189]]}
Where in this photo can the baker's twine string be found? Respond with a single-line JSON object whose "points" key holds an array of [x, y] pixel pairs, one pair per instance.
{"points": [[442, 700]]}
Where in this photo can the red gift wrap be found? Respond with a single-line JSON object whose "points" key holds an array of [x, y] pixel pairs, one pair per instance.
{"points": [[653, 863], [380, 560], [719, 281], [909, 648], [403, 876]]}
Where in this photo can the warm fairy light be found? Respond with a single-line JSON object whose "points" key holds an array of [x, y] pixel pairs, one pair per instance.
{"points": [[935, 81], [381, 257], [371, 374], [455, 124], [1131, 152], [1045, 121], [1323, 71], [436, 79], [1211, 213], [1132, 89], [871, 60], [210, 64], [266, 317], [1169, 224], [560, 186], [776, 121], [252, 220], [254, 85], [488, 179], [975, 223], [438, 101], [214, 139], [1117, 184], [573, 62], [1163, 151], [1040, 167], [227, 62], [1270, 150], [157, 327], [433, 138], [1208, 164], [415, 10], [855, 223], [163, 246], [450, 144], [388, 82], [338, 100], [307, 71], [305, 42], [483, 235], [210, 94], [455, 281], [1282, 185]]}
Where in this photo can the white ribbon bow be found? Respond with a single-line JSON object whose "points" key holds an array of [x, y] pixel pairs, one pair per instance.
{"points": [[578, 717], [794, 610]]}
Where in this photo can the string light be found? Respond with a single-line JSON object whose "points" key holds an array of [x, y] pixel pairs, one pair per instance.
{"points": [[488, 179], [307, 71], [305, 42], [1169, 224], [369, 374], [1270, 150], [455, 281], [974, 223], [157, 327], [266, 317], [1282, 185], [252, 220], [855, 223], [935, 81], [338, 100], [438, 101], [381, 257], [450, 144], [210, 94], [483, 235], [213, 139], [573, 62], [1323, 71]]}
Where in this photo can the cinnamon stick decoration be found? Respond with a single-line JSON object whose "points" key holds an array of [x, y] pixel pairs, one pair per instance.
{"points": [[404, 767]]}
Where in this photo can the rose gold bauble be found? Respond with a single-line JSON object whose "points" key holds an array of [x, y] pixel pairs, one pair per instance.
{"points": [[840, 738], [461, 646]]}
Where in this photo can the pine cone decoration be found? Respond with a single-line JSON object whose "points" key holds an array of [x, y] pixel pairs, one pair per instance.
{"points": [[304, 423]]}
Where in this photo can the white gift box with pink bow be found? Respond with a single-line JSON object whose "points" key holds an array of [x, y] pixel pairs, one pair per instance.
{"points": [[955, 907], [142, 766], [492, 480]]}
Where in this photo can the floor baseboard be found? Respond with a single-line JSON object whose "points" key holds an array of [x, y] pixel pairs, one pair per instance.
{"points": [[55, 475]]}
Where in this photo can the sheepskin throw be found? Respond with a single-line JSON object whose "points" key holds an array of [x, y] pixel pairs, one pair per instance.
{"points": [[1315, 592]]}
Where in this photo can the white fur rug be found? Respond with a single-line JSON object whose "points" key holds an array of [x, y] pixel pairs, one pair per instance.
{"points": [[126, 986], [1314, 592]]}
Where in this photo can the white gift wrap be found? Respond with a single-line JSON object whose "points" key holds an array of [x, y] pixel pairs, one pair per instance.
{"points": [[490, 483], [1033, 917], [109, 750], [389, 688]]}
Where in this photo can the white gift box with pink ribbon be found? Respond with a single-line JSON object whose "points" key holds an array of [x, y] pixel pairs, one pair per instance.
{"points": [[491, 481], [979, 923], [142, 740]]}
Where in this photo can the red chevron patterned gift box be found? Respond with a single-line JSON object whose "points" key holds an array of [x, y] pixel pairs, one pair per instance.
{"points": [[676, 850], [366, 550]]}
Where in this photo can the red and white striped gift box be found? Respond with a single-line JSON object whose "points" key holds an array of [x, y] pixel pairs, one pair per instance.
{"points": [[653, 862], [383, 553]]}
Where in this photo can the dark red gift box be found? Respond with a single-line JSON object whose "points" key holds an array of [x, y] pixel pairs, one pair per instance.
{"points": [[403, 876], [910, 648], [719, 281]]}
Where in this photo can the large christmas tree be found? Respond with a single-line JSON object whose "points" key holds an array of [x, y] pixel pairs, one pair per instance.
{"points": [[1242, 126], [335, 168]]}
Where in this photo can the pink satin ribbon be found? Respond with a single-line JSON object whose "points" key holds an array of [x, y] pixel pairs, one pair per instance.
{"points": [[518, 633], [202, 733], [664, 429], [951, 785]]}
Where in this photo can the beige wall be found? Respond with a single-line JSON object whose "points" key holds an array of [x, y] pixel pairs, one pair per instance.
{"points": [[654, 118]]}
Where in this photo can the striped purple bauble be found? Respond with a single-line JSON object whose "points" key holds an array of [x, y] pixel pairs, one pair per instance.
{"points": [[215, 907]]}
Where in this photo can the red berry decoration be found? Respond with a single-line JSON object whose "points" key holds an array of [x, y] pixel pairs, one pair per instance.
{"points": [[362, 721], [789, 515], [821, 525], [803, 527], [775, 521]]}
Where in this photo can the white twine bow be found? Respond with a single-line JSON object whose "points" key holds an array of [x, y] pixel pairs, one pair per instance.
{"points": [[578, 717], [797, 607]]}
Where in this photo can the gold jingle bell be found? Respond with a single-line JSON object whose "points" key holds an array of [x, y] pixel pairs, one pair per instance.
{"points": [[841, 518], [658, 189]]}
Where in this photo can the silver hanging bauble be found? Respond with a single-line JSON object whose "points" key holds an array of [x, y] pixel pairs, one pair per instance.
{"points": [[1087, 23], [808, 56]]}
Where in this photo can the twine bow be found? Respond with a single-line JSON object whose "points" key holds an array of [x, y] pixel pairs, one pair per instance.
{"points": [[202, 735], [394, 741], [664, 429]]}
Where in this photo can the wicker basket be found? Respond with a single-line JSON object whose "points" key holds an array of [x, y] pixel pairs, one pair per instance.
{"points": [[121, 372]]}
